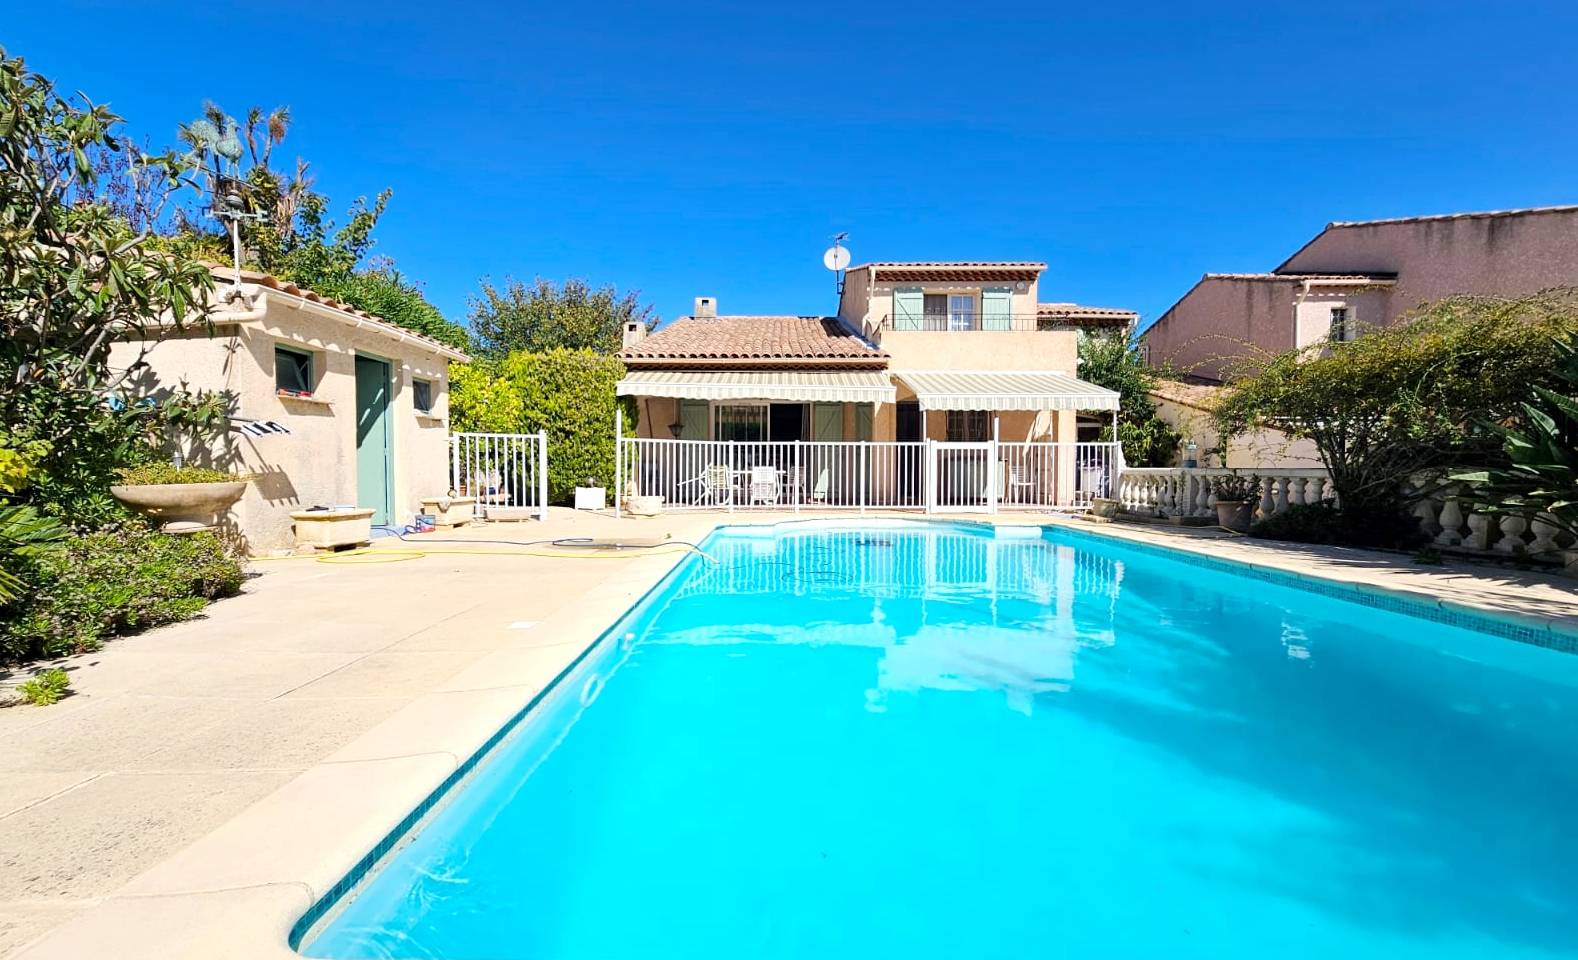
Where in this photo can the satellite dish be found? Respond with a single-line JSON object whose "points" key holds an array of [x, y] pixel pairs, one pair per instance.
{"points": [[836, 258]]}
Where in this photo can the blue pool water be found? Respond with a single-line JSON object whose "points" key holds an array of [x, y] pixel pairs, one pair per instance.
{"points": [[925, 741]]}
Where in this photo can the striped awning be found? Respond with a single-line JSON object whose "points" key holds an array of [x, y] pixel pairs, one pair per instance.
{"points": [[1005, 390], [803, 386]]}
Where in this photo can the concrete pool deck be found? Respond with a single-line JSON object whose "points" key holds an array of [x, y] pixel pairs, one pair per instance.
{"points": [[212, 779]]}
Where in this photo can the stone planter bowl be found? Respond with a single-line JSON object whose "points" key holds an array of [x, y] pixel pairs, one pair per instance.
{"points": [[1235, 515], [183, 507]]}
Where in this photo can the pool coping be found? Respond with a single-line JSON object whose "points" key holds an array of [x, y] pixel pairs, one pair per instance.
{"points": [[245, 889]]}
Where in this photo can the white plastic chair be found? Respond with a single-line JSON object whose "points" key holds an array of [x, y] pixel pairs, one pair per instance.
{"points": [[1019, 480], [764, 485], [717, 484]]}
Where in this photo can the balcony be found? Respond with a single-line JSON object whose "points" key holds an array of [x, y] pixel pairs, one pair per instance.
{"points": [[964, 321]]}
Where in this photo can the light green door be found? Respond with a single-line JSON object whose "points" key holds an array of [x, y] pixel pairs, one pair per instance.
{"points": [[373, 460]]}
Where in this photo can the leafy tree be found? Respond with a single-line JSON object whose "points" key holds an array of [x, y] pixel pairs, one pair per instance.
{"points": [[1390, 411], [1114, 362], [543, 316], [568, 393], [291, 235], [73, 277], [1540, 476]]}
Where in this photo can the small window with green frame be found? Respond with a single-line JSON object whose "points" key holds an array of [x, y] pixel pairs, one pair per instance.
{"points": [[422, 396], [292, 372]]}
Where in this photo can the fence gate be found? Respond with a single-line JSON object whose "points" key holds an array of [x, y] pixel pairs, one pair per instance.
{"points": [[963, 477], [507, 473]]}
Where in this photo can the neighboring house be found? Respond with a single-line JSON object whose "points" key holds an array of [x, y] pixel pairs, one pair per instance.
{"points": [[1359, 275], [917, 351], [365, 403], [1187, 407]]}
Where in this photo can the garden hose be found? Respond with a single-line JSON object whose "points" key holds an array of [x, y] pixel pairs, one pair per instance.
{"points": [[574, 548]]}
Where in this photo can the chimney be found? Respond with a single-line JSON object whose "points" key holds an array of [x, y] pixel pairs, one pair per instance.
{"points": [[635, 332], [706, 307]]}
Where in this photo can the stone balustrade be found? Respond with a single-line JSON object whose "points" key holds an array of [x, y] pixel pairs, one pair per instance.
{"points": [[1185, 493]]}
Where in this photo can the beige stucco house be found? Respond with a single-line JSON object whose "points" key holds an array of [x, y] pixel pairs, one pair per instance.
{"points": [[365, 404], [1358, 275], [956, 352]]}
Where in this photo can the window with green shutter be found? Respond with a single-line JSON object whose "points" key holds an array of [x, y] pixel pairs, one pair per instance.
{"points": [[909, 306], [997, 308]]}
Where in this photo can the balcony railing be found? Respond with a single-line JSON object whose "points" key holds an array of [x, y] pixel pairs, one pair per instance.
{"points": [[963, 321]]}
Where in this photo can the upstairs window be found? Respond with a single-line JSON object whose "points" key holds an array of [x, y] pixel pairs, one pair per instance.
{"points": [[292, 372], [422, 395], [1339, 323]]}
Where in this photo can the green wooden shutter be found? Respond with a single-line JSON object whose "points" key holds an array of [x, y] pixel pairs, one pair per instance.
{"points": [[997, 308], [908, 306], [863, 415], [827, 421], [693, 419]]}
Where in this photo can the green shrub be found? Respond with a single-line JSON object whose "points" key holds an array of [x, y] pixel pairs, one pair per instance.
{"points": [[151, 473], [113, 581], [568, 393], [1325, 522], [45, 687]]}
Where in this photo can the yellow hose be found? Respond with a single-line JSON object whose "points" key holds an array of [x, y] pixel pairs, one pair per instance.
{"points": [[372, 555]]}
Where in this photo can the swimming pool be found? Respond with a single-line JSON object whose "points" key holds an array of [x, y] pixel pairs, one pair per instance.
{"points": [[927, 740]]}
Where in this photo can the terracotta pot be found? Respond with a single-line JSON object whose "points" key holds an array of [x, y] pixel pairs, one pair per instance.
{"points": [[183, 507], [1235, 515]]}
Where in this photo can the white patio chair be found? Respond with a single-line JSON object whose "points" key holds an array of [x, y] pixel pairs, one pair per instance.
{"points": [[764, 485], [823, 482], [1020, 482], [717, 484]]}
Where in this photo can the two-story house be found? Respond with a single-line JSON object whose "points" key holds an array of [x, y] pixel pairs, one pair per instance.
{"points": [[1358, 275], [958, 352]]}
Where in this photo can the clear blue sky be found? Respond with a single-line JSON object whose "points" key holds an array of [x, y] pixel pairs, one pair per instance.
{"points": [[685, 149]]}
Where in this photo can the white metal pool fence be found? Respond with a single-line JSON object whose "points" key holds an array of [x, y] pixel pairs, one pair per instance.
{"points": [[507, 473], [929, 476]]}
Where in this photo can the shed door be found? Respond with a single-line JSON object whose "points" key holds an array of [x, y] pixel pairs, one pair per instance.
{"points": [[373, 460]]}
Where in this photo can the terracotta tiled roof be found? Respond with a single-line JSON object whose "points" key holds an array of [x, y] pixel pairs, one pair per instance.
{"points": [[921, 270], [737, 341], [1079, 313], [1198, 395], [285, 286]]}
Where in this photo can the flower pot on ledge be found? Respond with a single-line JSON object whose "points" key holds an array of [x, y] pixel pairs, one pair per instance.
{"points": [[181, 507]]}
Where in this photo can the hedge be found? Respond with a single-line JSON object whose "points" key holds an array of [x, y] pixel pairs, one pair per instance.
{"points": [[568, 393]]}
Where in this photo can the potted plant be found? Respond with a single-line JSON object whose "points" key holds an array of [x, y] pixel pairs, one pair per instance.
{"points": [[1236, 497], [591, 496], [186, 499]]}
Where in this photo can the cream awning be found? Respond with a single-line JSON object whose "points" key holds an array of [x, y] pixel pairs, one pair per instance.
{"points": [[1005, 390], [803, 386]]}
